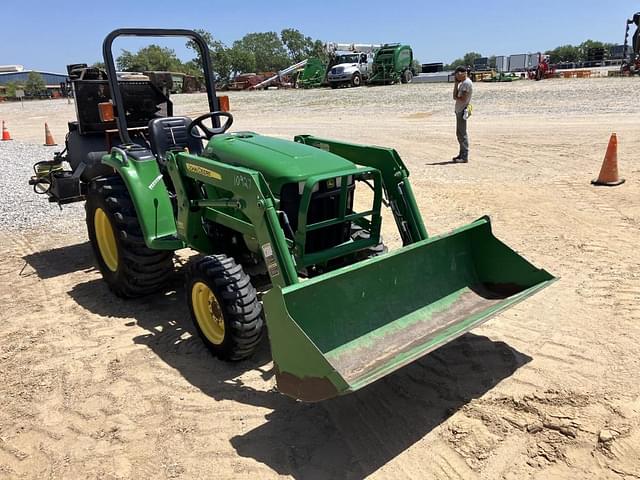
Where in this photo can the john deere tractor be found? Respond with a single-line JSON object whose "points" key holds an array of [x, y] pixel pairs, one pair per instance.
{"points": [[298, 221]]}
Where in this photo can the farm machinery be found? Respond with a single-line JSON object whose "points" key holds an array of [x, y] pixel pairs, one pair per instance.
{"points": [[392, 63], [288, 242], [313, 75], [543, 70]]}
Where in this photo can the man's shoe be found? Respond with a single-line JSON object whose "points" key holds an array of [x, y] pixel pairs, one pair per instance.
{"points": [[455, 159], [459, 160]]}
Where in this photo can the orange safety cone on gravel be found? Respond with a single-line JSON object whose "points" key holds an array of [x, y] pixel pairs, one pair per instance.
{"points": [[609, 171], [5, 133], [48, 138]]}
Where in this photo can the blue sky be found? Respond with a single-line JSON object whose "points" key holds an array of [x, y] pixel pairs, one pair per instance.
{"points": [[48, 35]]}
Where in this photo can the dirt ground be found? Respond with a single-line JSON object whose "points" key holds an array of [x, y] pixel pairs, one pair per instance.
{"points": [[95, 387]]}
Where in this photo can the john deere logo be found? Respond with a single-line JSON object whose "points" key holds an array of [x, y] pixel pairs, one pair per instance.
{"points": [[205, 172]]}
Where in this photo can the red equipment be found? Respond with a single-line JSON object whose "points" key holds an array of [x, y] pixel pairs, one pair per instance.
{"points": [[544, 69]]}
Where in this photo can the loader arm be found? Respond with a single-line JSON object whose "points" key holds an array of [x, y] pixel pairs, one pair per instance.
{"points": [[250, 196]]}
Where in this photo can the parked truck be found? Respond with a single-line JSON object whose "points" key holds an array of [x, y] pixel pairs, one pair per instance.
{"points": [[351, 69], [350, 63], [392, 63]]}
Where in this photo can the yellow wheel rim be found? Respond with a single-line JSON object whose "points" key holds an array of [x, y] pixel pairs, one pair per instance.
{"points": [[106, 239], [207, 312]]}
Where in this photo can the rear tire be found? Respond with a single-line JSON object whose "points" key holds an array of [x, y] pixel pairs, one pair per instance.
{"points": [[129, 267], [224, 307], [407, 76]]}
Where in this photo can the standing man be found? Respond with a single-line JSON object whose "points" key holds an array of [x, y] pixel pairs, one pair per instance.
{"points": [[462, 95]]}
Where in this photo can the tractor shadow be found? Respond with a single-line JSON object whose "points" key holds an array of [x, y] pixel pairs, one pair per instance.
{"points": [[61, 261], [348, 437], [351, 437]]}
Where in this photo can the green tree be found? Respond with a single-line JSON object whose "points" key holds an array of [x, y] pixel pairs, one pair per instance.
{"points": [[12, 87], [576, 53], [153, 57], [466, 61], [218, 53], [298, 46], [564, 53], [256, 52], [587, 45], [35, 84], [241, 60], [192, 67], [267, 48], [318, 50]]}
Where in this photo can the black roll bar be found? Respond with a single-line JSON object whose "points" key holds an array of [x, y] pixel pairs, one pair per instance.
{"points": [[116, 94]]}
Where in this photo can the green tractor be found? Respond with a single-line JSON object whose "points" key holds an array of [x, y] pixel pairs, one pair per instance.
{"points": [[288, 242]]}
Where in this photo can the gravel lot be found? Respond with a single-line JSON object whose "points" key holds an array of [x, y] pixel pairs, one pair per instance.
{"points": [[93, 387], [20, 207]]}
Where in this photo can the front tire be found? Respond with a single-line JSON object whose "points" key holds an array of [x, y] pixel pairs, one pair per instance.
{"points": [[356, 80], [129, 267], [224, 307]]}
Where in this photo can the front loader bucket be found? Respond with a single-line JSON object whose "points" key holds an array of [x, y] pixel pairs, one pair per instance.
{"points": [[340, 331]]}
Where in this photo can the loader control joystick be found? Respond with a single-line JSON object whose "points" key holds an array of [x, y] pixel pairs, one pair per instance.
{"points": [[208, 131]]}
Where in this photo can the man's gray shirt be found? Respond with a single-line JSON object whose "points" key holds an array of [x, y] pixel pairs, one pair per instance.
{"points": [[464, 87]]}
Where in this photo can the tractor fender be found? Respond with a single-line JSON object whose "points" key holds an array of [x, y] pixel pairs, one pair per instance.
{"points": [[141, 174]]}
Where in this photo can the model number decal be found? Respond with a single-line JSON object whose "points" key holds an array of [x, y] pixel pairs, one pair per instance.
{"points": [[242, 181], [153, 184], [205, 172]]}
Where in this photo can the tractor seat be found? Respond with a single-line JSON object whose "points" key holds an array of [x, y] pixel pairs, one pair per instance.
{"points": [[169, 134]]}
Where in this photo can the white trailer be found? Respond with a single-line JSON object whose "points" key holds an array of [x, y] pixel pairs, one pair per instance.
{"points": [[502, 63], [519, 62], [533, 60]]}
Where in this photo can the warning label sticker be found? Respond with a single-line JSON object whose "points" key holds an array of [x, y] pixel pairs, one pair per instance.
{"points": [[270, 260]]}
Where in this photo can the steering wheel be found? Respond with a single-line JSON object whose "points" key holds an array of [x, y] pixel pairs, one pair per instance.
{"points": [[209, 132]]}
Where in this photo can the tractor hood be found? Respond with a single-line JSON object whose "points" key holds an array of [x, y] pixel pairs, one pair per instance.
{"points": [[279, 161]]}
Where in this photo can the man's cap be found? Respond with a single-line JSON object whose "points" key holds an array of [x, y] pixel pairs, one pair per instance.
{"points": [[461, 70]]}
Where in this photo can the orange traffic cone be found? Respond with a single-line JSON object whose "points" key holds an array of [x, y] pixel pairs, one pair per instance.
{"points": [[609, 171], [5, 133], [48, 138]]}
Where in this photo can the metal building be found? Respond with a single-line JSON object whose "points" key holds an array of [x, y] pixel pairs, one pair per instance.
{"points": [[52, 80]]}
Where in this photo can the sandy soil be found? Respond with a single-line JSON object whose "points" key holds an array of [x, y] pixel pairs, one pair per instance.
{"points": [[95, 387]]}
